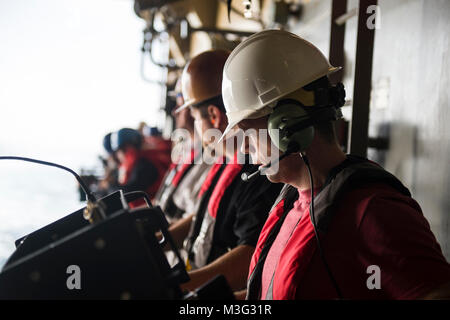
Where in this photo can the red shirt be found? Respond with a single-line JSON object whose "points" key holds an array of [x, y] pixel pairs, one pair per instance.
{"points": [[296, 214], [373, 225]]}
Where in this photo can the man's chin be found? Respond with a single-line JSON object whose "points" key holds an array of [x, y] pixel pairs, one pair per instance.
{"points": [[273, 178]]}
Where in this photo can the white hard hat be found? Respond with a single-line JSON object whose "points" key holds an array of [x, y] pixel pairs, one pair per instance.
{"points": [[265, 67]]}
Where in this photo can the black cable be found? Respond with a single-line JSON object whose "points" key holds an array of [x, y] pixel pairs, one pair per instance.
{"points": [[85, 188], [313, 221]]}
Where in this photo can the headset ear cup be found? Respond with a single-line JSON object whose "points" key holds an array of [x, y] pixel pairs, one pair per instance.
{"points": [[283, 117], [303, 138]]}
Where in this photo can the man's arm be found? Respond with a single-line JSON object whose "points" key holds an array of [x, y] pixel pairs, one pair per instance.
{"points": [[233, 265], [399, 239], [440, 293], [240, 295], [180, 229]]}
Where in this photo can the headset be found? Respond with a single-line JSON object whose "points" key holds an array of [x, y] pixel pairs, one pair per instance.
{"points": [[295, 121], [291, 129]]}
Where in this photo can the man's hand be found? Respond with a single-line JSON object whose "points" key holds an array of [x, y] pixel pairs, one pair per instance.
{"points": [[179, 230], [233, 265]]}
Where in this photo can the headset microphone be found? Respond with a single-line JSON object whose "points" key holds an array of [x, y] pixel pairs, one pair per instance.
{"points": [[246, 176]]}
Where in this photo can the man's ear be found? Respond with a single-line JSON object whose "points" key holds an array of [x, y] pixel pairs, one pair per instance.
{"points": [[215, 116]]}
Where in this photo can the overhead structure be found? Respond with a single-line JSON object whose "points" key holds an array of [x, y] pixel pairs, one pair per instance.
{"points": [[177, 30]]}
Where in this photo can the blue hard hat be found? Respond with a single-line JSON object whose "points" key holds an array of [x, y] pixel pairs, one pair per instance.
{"points": [[154, 131], [107, 143], [125, 136]]}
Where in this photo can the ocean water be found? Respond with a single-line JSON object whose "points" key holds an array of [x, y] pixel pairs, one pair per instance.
{"points": [[31, 197]]}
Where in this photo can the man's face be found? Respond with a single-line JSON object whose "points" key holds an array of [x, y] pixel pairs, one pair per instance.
{"points": [[261, 149], [253, 145], [120, 155], [201, 125], [209, 124], [184, 120]]}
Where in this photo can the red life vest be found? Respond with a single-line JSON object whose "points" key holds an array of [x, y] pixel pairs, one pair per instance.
{"points": [[132, 155], [294, 260], [182, 168], [157, 143], [171, 180], [200, 241], [158, 150]]}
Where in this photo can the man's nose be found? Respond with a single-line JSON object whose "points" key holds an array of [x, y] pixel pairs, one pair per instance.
{"points": [[245, 147]]}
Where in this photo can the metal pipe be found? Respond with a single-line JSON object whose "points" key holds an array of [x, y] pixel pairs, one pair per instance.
{"points": [[222, 31], [337, 39], [363, 79]]}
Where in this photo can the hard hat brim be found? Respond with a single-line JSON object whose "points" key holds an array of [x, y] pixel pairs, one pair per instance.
{"points": [[183, 106], [225, 134], [244, 114]]}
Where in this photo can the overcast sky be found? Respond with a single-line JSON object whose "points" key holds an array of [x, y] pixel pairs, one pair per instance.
{"points": [[69, 73]]}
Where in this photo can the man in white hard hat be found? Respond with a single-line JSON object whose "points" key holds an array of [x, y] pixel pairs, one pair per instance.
{"points": [[342, 227]]}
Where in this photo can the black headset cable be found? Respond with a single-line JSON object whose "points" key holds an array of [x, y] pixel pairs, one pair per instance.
{"points": [[313, 221]]}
